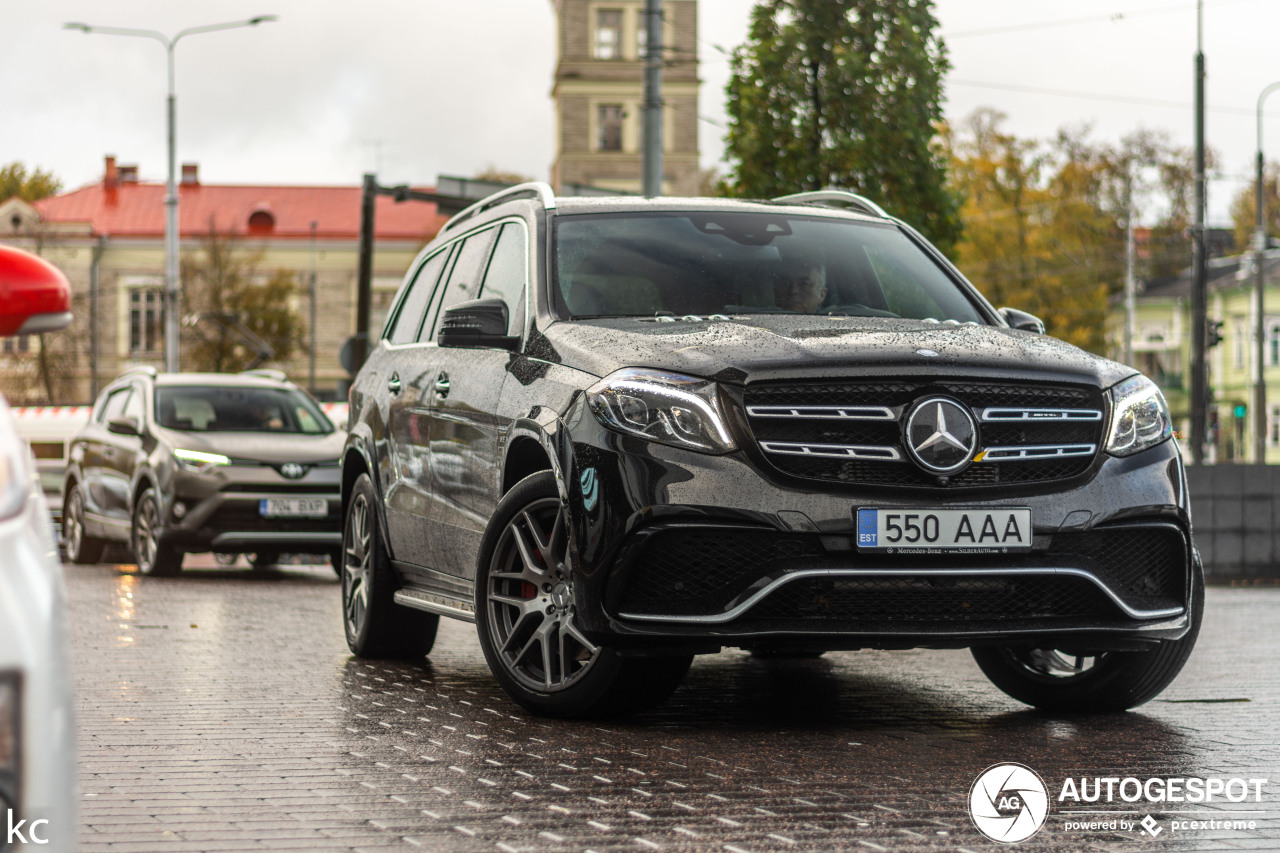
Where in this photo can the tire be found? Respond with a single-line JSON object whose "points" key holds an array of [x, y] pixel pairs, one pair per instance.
{"points": [[335, 560], [80, 547], [1055, 680], [154, 557], [525, 618], [260, 560], [376, 627]]}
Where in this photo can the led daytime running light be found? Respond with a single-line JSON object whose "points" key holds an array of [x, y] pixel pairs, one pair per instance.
{"points": [[680, 400], [1139, 418], [199, 459], [667, 408]]}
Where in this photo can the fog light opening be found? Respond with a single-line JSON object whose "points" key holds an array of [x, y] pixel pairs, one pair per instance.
{"points": [[179, 510]]}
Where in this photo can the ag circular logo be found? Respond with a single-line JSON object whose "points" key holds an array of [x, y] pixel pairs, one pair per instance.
{"points": [[1008, 803], [941, 435]]}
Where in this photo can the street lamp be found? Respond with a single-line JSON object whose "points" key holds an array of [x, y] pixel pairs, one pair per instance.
{"points": [[171, 194], [1260, 245]]}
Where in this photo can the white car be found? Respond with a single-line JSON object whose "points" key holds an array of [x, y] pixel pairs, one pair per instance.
{"points": [[37, 734]]}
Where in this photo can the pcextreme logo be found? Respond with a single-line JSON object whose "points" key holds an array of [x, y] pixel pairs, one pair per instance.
{"points": [[1008, 803]]}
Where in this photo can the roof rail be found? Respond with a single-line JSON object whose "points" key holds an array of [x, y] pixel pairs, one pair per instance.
{"points": [[838, 198], [533, 189], [267, 373], [145, 369]]}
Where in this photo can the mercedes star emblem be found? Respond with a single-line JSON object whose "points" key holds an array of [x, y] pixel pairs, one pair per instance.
{"points": [[941, 435]]}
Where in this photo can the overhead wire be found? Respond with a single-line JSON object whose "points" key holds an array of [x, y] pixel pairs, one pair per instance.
{"points": [[1113, 17]]}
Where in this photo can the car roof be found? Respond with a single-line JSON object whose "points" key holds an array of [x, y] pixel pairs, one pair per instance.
{"points": [[222, 380], [634, 204]]}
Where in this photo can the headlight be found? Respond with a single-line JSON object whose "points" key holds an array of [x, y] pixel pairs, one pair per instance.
{"points": [[668, 408], [198, 460], [1139, 417], [16, 472]]}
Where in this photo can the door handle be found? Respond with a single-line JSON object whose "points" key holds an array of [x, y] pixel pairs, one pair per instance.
{"points": [[442, 385], [393, 384]]}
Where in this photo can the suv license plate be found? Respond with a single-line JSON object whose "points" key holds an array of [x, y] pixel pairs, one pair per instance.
{"points": [[935, 531], [293, 507]]}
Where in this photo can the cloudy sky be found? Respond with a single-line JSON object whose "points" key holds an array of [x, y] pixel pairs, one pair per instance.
{"points": [[415, 88]]}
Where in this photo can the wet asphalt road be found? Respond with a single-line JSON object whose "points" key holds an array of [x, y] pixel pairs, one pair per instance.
{"points": [[222, 711]]}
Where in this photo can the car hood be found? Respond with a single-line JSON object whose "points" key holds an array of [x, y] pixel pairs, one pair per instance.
{"points": [[782, 346], [262, 446]]}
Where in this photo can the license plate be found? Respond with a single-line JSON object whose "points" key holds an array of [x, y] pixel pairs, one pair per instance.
{"points": [[931, 531], [293, 507]]}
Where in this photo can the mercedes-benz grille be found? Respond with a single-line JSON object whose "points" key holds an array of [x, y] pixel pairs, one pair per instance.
{"points": [[851, 432]]}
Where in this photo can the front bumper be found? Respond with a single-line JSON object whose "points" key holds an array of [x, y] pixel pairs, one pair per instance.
{"points": [[674, 547], [223, 510]]}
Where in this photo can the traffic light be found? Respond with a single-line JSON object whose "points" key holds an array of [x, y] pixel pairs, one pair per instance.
{"points": [[1240, 411], [1214, 336]]}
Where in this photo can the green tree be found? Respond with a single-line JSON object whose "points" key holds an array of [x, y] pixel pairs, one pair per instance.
{"points": [[236, 314], [1244, 208], [502, 176], [15, 180], [843, 93], [1045, 222]]}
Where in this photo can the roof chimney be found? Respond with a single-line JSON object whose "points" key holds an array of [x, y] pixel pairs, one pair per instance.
{"points": [[110, 177], [128, 174], [191, 174]]}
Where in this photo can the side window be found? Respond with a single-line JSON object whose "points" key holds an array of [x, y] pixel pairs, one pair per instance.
{"points": [[464, 279], [508, 270], [133, 407], [114, 405], [413, 305]]}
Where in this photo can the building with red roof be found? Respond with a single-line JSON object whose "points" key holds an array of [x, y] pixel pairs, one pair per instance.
{"points": [[109, 239]]}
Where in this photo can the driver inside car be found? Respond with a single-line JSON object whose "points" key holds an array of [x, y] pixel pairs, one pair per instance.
{"points": [[801, 286]]}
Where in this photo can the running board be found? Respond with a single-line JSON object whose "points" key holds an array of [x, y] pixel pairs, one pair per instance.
{"points": [[439, 604]]}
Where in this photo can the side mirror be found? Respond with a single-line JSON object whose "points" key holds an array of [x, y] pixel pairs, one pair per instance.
{"points": [[478, 323], [35, 296], [1022, 321], [123, 426]]}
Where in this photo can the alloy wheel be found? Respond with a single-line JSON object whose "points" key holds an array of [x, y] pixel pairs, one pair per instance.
{"points": [[147, 524], [529, 602], [356, 565], [73, 523], [1056, 664]]}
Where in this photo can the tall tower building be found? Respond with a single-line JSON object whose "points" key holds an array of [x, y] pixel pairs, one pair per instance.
{"points": [[599, 94]]}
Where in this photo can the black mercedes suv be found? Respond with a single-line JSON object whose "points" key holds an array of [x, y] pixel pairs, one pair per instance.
{"points": [[618, 432]]}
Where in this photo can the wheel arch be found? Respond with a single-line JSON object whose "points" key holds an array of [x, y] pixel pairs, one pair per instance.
{"points": [[356, 461], [145, 481], [531, 448]]}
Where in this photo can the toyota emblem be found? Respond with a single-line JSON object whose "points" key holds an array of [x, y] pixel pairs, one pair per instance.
{"points": [[292, 470]]}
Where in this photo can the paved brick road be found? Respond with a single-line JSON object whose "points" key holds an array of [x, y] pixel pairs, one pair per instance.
{"points": [[221, 711]]}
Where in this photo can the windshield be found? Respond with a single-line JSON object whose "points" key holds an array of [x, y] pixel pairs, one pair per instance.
{"points": [[238, 409], [643, 265]]}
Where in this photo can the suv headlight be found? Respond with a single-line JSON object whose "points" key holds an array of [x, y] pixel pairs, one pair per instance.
{"points": [[198, 460], [668, 408], [1139, 417]]}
